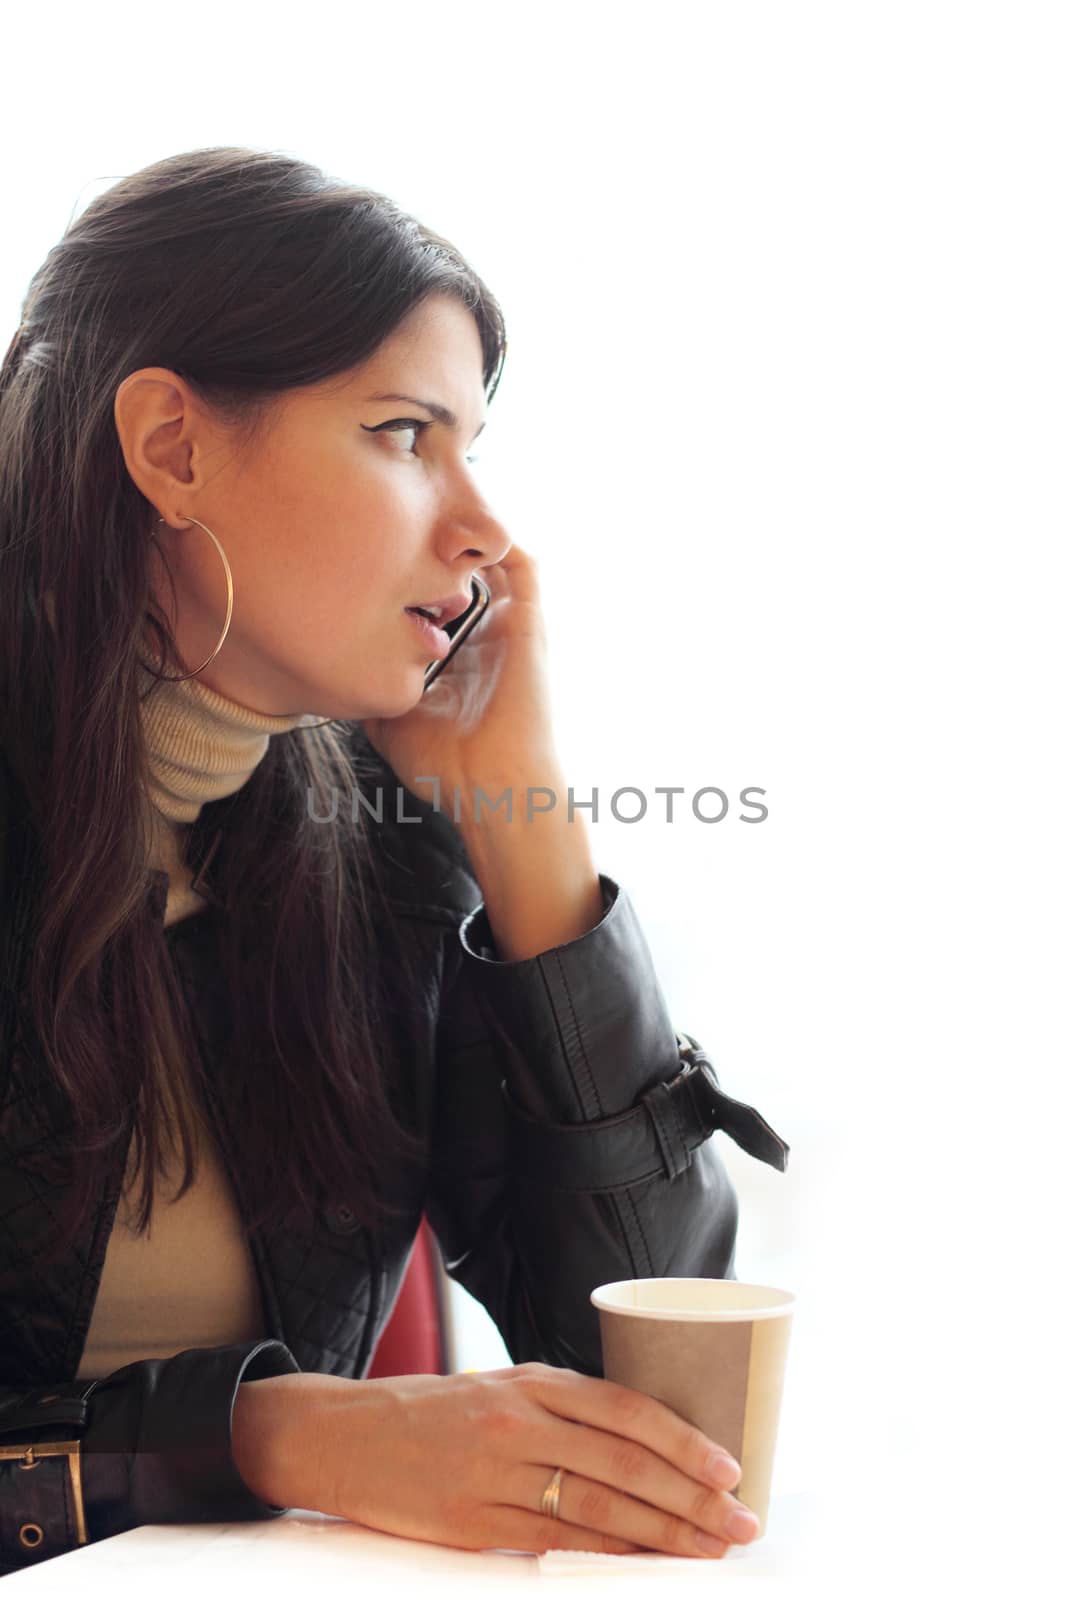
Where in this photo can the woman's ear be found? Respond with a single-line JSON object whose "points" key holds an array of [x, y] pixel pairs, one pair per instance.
{"points": [[158, 427]]}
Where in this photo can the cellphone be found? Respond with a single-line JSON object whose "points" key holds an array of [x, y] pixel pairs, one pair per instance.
{"points": [[460, 630]]}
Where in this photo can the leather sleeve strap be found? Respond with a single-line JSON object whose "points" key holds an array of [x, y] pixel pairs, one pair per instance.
{"points": [[656, 1137], [62, 1405]]}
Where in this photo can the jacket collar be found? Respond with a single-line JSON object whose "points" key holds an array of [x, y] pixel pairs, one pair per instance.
{"points": [[159, 883]]}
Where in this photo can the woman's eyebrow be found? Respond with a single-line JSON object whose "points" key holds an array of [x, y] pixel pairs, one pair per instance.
{"points": [[440, 413]]}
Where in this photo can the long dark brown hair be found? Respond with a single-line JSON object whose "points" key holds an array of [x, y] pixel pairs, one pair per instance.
{"points": [[248, 273]]}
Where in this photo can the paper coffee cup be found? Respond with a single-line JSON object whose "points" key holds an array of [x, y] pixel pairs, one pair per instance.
{"points": [[714, 1351]]}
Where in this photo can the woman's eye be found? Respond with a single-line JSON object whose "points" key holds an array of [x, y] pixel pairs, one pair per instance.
{"points": [[413, 425]]}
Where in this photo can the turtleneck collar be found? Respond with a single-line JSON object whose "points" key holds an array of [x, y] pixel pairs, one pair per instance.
{"points": [[201, 746]]}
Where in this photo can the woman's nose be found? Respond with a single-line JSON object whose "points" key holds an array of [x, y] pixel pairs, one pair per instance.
{"points": [[481, 534]]}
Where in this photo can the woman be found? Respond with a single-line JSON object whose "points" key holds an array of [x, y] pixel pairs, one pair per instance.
{"points": [[235, 427]]}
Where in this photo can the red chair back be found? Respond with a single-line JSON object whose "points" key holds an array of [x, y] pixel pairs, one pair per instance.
{"points": [[414, 1337]]}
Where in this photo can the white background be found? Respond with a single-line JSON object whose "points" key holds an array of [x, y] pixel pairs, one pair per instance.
{"points": [[783, 419]]}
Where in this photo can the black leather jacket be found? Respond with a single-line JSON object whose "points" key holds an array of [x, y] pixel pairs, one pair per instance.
{"points": [[571, 1122]]}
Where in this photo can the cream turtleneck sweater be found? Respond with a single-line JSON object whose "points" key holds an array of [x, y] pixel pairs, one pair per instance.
{"points": [[190, 1280]]}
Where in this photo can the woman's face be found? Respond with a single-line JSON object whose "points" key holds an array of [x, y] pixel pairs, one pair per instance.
{"points": [[332, 523]]}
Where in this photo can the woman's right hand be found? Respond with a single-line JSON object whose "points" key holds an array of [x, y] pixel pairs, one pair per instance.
{"points": [[464, 1459]]}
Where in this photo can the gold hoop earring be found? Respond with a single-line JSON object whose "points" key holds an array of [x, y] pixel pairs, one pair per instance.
{"points": [[181, 677], [303, 727]]}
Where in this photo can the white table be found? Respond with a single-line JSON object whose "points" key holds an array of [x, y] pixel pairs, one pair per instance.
{"points": [[305, 1552]]}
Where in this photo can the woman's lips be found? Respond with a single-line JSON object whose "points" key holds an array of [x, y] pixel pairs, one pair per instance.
{"points": [[435, 639]]}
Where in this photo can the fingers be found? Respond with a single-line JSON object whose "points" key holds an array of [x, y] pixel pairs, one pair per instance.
{"points": [[634, 1416], [526, 1530], [591, 1503], [620, 1463], [516, 576]]}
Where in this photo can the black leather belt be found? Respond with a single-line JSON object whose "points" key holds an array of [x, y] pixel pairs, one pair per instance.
{"points": [[62, 1407]]}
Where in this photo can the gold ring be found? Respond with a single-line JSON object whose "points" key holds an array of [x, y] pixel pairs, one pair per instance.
{"points": [[550, 1498]]}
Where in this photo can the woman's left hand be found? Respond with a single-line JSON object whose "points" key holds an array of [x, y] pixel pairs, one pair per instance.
{"points": [[486, 718]]}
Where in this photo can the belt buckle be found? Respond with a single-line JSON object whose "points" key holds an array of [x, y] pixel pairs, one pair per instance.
{"points": [[700, 1078], [30, 1455]]}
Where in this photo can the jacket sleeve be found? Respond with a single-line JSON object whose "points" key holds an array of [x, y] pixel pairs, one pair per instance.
{"points": [[82, 1460], [571, 1142]]}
